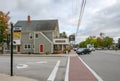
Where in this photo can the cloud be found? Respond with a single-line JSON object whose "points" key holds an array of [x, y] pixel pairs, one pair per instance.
{"points": [[104, 19], [99, 15]]}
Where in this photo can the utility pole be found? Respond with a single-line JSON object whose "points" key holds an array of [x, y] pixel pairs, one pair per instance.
{"points": [[11, 66]]}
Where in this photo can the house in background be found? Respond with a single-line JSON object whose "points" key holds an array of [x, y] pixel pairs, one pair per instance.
{"points": [[38, 36]]}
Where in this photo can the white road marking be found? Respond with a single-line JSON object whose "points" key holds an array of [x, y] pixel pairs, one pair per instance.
{"points": [[21, 66], [92, 71], [67, 70], [42, 62], [54, 72]]}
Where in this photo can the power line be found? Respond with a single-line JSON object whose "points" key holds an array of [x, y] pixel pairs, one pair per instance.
{"points": [[80, 16]]}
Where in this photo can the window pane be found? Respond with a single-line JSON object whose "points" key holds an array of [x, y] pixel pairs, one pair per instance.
{"points": [[36, 35], [25, 46], [30, 35], [28, 46]]}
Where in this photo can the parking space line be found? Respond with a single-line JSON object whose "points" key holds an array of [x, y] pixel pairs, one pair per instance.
{"points": [[67, 70], [92, 71], [54, 72]]}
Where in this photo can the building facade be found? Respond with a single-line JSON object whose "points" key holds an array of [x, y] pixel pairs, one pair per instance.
{"points": [[38, 36]]}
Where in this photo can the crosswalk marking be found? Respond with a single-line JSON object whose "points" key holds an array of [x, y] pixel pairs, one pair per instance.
{"points": [[54, 72]]}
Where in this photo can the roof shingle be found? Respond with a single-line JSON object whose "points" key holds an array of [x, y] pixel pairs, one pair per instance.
{"points": [[37, 25]]}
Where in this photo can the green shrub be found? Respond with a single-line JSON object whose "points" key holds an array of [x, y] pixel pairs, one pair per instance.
{"points": [[47, 52]]}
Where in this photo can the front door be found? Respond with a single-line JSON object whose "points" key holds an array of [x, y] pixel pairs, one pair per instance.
{"points": [[41, 48], [18, 48]]}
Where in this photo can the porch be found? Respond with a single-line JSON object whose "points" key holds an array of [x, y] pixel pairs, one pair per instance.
{"points": [[60, 45]]}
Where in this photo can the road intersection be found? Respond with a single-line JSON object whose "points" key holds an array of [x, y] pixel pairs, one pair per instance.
{"points": [[53, 68]]}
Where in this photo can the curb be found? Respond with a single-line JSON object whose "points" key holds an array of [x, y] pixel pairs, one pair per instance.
{"points": [[32, 55]]}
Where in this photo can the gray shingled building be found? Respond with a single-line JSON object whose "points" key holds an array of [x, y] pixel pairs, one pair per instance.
{"points": [[38, 36]]}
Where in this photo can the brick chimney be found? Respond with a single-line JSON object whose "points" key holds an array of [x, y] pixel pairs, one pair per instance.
{"points": [[28, 19]]}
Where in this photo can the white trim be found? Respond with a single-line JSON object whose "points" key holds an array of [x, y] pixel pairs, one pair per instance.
{"points": [[92, 71], [34, 42], [52, 48], [43, 48], [15, 48], [46, 37], [54, 72], [52, 45], [67, 70]]}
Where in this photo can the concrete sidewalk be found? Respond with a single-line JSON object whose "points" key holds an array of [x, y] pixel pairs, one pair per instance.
{"points": [[4, 77]]}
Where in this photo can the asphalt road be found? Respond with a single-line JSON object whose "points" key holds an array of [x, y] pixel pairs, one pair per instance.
{"points": [[105, 63], [38, 68]]}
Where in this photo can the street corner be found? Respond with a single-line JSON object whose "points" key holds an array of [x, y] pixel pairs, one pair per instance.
{"points": [[5, 77]]}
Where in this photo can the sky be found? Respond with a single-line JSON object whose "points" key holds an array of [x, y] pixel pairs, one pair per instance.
{"points": [[99, 15]]}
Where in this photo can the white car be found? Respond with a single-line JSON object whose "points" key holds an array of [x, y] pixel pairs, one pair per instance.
{"points": [[92, 49]]}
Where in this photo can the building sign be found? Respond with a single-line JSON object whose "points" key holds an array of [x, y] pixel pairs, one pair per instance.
{"points": [[17, 35], [17, 29], [60, 41], [72, 37]]}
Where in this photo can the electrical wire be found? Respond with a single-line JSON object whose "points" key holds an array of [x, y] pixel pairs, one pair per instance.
{"points": [[80, 16]]}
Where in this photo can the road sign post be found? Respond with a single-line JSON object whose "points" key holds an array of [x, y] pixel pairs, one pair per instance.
{"points": [[11, 65]]}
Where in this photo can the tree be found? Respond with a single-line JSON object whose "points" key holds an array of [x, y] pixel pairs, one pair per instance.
{"points": [[91, 40], [99, 42], [63, 35], [108, 41], [4, 18], [82, 44]]}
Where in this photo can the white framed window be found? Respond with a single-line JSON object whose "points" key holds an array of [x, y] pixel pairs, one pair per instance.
{"points": [[27, 46], [36, 35], [30, 36]]}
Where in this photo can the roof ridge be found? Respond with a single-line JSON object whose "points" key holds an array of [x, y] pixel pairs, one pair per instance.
{"points": [[41, 20]]}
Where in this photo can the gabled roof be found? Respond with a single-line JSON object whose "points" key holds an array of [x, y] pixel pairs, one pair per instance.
{"points": [[37, 25]]}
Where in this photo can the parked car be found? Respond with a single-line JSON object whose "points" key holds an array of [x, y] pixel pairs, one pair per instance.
{"points": [[75, 49], [83, 51]]}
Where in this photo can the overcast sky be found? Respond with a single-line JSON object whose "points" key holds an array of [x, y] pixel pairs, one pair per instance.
{"points": [[99, 15]]}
